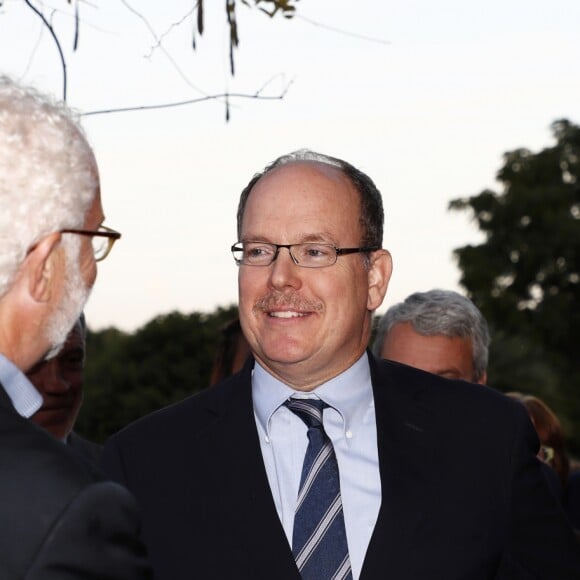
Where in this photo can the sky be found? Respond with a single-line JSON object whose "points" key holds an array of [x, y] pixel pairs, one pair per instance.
{"points": [[424, 96]]}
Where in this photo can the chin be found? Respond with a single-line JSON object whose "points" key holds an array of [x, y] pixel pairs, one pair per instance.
{"points": [[282, 355]]}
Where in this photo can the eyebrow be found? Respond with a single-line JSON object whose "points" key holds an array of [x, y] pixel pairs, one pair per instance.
{"points": [[322, 237]]}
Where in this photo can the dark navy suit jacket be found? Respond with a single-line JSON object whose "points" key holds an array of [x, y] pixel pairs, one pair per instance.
{"points": [[463, 496], [59, 519]]}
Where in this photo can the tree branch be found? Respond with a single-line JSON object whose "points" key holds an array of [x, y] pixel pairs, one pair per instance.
{"points": [[159, 44], [226, 96], [61, 54]]}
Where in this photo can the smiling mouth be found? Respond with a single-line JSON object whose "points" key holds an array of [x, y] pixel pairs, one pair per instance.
{"points": [[287, 314]]}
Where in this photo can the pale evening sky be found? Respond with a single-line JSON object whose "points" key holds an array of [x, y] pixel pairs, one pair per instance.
{"points": [[427, 113]]}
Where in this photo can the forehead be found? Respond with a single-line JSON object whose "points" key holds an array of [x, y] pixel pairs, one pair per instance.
{"points": [[433, 353], [304, 194]]}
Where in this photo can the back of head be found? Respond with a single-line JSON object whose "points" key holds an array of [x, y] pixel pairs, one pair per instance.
{"points": [[372, 214], [48, 175], [440, 312]]}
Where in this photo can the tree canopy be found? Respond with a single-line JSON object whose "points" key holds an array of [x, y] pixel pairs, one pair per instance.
{"points": [[130, 375], [525, 276]]}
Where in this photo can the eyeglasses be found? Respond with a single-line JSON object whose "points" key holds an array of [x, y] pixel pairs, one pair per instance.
{"points": [[308, 255], [102, 240]]}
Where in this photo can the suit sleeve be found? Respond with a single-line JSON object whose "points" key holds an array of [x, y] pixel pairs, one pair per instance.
{"points": [[541, 543], [95, 538], [111, 462]]}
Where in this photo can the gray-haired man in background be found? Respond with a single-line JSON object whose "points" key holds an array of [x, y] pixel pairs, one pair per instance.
{"points": [[439, 331]]}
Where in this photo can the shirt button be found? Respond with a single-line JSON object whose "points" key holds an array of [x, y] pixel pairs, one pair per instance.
{"points": [[267, 439], [349, 434]]}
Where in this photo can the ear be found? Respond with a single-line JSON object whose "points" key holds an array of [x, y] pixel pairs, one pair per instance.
{"points": [[43, 267], [379, 275]]}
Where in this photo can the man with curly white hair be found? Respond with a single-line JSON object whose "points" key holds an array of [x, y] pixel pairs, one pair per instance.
{"points": [[59, 518]]}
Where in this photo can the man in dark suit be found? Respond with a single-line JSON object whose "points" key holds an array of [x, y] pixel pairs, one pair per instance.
{"points": [[59, 518], [404, 474]]}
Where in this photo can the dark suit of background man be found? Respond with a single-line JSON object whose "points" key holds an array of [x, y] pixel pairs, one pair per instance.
{"points": [[59, 520], [438, 478]]}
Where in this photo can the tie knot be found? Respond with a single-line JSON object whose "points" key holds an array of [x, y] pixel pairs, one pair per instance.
{"points": [[309, 410]]}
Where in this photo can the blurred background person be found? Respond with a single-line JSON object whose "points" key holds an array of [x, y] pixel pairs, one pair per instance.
{"points": [[439, 331], [60, 382], [552, 450], [232, 352]]}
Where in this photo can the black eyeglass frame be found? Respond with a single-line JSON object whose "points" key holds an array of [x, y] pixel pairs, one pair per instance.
{"points": [[339, 252], [103, 232]]}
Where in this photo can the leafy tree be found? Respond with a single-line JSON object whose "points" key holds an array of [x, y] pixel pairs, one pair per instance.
{"points": [[130, 375], [525, 276]]}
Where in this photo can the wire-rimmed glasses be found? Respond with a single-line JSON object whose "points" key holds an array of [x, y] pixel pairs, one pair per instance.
{"points": [[307, 255]]}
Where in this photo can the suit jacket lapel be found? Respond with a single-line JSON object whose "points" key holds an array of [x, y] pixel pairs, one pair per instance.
{"points": [[405, 464], [248, 509], [5, 401]]}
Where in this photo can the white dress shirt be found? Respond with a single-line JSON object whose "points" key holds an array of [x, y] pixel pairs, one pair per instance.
{"points": [[350, 425], [25, 398]]}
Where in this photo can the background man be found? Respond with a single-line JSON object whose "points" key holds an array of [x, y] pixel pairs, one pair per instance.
{"points": [[439, 331], [318, 460], [58, 519], [60, 382]]}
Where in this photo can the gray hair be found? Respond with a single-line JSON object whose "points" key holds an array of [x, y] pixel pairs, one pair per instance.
{"points": [[372, 215], [48, 176], [441, 312]]}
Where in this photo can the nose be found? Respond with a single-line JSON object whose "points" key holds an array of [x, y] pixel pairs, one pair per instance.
{"points": [[50, 380], [284, 272]]}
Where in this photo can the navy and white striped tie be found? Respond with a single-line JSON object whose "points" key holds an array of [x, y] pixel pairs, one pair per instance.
{"points": [[319, 537]]}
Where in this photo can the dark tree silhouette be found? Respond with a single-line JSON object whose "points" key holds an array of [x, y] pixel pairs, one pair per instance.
{"points": [[525, 276]]}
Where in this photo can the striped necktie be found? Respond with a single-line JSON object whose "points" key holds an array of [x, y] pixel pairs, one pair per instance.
{"points": [[319, 537]]}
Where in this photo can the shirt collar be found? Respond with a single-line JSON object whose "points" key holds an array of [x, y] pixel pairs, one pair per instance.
{"points": [[350, 393], [25, 398]]}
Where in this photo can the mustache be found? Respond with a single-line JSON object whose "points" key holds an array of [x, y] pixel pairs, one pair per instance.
{"points": [[278, 300]]}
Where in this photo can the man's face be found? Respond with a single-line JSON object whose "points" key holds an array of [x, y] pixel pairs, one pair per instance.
{"points": [[60, 382], [78, 281], [447, 357], [307, 325]]}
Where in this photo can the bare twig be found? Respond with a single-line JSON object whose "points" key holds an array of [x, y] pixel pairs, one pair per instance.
{"points": [[233, 24], [341, 31], [227, 96], [55, 38], [171, 27], [160, 45], [271, 80], [76, 39]]}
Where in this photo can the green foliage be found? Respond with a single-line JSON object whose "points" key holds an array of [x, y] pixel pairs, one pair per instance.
{"points": [[130, 375], [525, 277]]}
